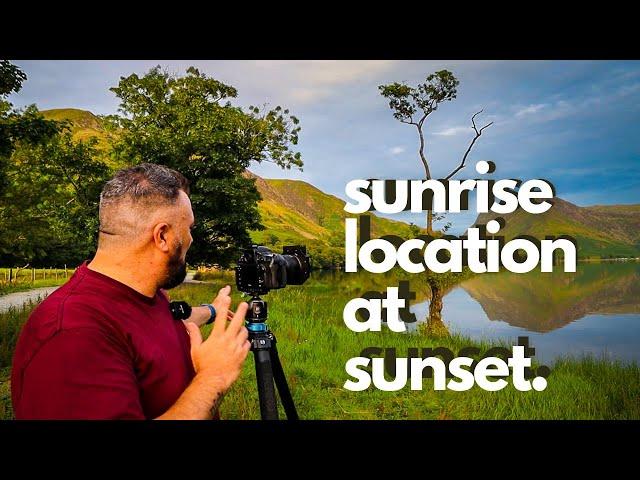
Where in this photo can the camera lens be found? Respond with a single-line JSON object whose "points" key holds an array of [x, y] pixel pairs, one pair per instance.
{"points": [[260, 270], [294, 270]]}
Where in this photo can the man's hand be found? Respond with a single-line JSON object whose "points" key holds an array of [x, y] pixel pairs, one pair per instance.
{"points": [[200, 315], [219, 358], [216, 360], [220, 300]]}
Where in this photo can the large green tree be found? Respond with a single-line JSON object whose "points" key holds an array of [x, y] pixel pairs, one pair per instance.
{"points": [[49, 184], [18, 126], [190, 124], [50, 203]]}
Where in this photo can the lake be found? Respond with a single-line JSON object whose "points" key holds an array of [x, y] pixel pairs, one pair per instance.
{"points": [[593, 311]]}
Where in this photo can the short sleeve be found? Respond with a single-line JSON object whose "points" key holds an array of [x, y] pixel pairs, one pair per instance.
{"points": [[80, 373]]}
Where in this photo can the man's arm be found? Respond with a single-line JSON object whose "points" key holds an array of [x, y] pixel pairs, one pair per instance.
{"points": [[200, 315], [217, 361]]}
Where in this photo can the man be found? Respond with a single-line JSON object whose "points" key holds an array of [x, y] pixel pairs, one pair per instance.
{"points": [[105, 345]]}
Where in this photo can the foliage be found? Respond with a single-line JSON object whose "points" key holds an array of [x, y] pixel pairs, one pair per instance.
{"points": [[17, 126], [189, 123], [56, 186], [406, 102], [49, 184]]}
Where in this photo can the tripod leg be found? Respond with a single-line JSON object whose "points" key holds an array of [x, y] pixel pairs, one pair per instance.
{"points": [[282, 385], [266, 391]]}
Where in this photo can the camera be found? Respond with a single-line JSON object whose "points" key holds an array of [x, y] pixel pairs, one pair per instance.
{"points": [[260, 270]]}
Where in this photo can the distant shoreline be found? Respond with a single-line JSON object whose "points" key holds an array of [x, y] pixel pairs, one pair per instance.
{"points": [[598, 260]]}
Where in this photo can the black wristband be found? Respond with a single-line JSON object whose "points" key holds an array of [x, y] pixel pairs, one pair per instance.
{"points": [[180, 310]]}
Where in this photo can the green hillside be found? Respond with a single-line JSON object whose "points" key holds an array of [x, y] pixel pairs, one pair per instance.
{"points": [[601, 231], [295, 212], [84, 125]]}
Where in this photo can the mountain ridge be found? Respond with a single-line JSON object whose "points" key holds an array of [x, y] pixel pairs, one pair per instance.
{"points": [[600, 230]]}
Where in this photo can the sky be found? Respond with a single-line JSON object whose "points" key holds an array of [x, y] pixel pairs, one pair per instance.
{"points": [[575, 123]]}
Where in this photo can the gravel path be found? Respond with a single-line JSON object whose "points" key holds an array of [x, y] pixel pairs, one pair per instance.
{"points": [[19, 298]]}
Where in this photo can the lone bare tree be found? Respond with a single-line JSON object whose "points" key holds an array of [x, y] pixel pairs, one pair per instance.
{"points": [[412, 105]]}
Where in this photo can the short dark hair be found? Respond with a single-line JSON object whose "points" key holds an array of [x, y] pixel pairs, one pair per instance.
{"points": [[143, 182], [147, 185]]}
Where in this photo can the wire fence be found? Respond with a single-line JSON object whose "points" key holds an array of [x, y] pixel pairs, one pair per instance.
{"points": [[28, 275]]}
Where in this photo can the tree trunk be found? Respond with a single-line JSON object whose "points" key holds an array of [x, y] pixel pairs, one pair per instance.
{"points": [[435, 306], [434, 326], [429, 222]]}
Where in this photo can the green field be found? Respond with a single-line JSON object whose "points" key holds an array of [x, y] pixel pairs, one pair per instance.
{"points": [[314, 345]]}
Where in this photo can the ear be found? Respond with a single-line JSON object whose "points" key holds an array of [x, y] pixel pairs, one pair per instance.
{"points": [[160, 236]]}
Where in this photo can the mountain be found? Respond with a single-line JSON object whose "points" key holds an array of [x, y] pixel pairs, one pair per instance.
{"points": [[84, 124], [295, 212], [601, 230]]}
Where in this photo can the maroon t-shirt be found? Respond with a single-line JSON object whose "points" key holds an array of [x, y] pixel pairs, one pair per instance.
{"points": [[97, 349]]}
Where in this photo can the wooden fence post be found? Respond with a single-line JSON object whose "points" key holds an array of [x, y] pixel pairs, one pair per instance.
{"points": [[33, 275], [10, 275]]}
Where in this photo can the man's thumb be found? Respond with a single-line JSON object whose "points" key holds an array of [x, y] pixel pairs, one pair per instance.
{"points": [[194, 334]]}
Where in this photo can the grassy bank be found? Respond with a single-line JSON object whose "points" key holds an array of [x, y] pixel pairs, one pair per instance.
{"points": [[314, 345]]}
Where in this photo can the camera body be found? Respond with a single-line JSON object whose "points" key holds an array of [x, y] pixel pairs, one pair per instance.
{"points": [[260, 270]]}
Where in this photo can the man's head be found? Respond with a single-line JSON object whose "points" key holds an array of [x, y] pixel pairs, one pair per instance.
{"points": [[145, 212]]}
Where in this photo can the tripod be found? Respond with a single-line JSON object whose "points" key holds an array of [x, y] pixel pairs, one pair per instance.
{"points": [[268, 366]]}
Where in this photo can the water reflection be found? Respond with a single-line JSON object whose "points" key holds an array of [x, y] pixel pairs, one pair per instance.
{"points": [[541, 302], [593, 311]]}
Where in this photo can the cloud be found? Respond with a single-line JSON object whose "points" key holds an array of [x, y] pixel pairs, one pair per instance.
{"points": [[312, 80], [628, 89], [450, 132], [589, 170], [308, 95], [396, 150], [531, 109]]}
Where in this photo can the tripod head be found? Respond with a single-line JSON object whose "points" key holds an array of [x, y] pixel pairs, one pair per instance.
{"points": [[256, 317]]}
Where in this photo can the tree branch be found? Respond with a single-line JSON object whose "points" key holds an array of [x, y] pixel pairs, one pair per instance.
{"points": [[466, 154]]}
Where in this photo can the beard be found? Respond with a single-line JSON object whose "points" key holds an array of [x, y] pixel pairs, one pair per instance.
{"points": [[176, 269]]}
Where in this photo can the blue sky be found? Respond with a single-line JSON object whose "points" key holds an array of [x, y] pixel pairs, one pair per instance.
{"points": [[575, 123]]}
